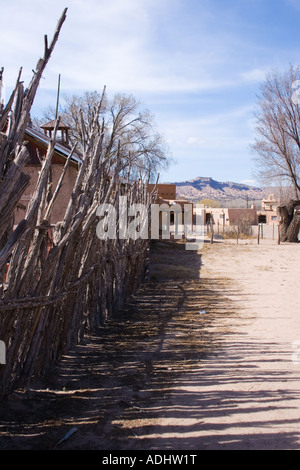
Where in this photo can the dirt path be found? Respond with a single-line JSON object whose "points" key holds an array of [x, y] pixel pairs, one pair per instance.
{"points": [[245, 395], [165, 376]]}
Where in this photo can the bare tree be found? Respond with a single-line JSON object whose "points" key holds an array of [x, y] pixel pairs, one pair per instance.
{"points": [[277, 146], [127, 126], [278, 128]]}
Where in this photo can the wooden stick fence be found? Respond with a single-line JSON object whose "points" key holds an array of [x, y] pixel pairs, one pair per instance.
{"points": [[56, 291]]}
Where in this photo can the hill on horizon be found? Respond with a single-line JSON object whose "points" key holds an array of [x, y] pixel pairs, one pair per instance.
{"points": [[205, 187]]}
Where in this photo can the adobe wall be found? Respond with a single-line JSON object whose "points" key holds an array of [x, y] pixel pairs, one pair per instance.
{"points": [[242, 214], [63, 198], [232, 216], [165, 191]]}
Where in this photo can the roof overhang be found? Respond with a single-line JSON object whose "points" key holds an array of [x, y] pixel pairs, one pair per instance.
{"points": [[43, 140]]}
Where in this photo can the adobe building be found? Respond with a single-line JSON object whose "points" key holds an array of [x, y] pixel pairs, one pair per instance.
{"points": [[164, 191], [37, 144], [231, 216], [268, 214], [166, 194]]}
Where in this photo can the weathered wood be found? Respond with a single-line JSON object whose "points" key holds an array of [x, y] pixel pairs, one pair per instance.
{"points": [[14, 119], [63, 281], [13, 239], [82, 281]]}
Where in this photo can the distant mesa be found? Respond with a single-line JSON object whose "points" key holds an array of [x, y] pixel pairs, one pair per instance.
{"points": [[208, 188]]}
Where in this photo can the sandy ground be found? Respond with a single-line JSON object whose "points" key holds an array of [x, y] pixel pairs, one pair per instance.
{"points": [[245, 395], [193, 364]]}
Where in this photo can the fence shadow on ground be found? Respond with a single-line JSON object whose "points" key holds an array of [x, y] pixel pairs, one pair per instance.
{"points": [[142, 366]]}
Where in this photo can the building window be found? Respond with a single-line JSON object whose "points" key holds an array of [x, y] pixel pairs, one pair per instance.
{"points": [[262, 219]]}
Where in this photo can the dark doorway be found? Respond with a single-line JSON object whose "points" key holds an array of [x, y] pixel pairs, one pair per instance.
{"points": [[262, 219]]}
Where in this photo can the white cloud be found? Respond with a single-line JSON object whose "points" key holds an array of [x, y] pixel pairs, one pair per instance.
{"points": [[223, 135], [255, 75], [192, 140], [128, 45], [182, 56], [249, 182], [195, 141]]}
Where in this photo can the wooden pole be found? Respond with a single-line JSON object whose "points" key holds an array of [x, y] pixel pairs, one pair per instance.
{"points": [[57, 99], [60, 290], [211, 231]]}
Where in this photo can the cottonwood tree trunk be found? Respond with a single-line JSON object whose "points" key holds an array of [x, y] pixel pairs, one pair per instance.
{"points": [[289, 221]]}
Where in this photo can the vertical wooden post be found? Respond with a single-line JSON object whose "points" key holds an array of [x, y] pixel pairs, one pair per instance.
{"points": [[57, 99], [211, 231]]}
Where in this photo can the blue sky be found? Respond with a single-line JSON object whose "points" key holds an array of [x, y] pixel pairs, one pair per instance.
{"points": [[197, 65]]}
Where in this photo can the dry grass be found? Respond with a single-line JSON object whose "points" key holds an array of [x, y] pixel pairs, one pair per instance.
{"points": [[234, 234]]}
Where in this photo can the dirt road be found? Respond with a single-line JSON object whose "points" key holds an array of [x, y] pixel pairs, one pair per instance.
{"points": [[194, 362], [245, 395]]}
